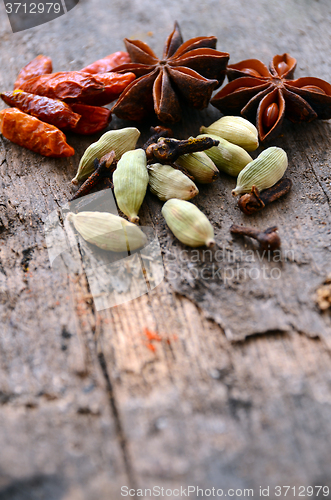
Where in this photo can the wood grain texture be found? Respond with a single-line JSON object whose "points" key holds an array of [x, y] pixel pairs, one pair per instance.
{"points": [[237, 391]]}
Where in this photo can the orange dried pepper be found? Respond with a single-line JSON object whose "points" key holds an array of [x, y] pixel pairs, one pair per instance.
{"points": [[93, 119], [40, 65], [114, 84], [33, 134], [48, 110], [108, 63], [66, 85]]}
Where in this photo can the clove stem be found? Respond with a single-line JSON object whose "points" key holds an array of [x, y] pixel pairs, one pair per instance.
{"points": [[169, 150], [268, 239], [103, 170], [255, 201]]}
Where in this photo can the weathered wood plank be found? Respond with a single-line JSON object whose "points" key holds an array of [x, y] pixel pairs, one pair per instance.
{"points": [[88, 402], [204, 411]]}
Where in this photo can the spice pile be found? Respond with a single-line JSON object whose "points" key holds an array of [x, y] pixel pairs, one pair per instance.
{"points": [[170, 168], [186, 75]]}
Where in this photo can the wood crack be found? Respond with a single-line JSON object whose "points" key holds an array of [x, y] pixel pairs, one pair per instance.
{"points": [[120, 433], [319, 181], [118, 423]]}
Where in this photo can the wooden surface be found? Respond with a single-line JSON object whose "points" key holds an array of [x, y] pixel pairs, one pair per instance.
{"points": [[238, 392]]}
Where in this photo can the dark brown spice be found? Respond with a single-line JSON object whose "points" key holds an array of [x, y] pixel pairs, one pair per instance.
{"points": [[169, 150], [157, 132], [103, 170], [187, 73], [254, 201], [266, 96], [268, 239]]}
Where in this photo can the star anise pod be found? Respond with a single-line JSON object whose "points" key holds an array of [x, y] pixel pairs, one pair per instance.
{"points": [[187, 72], [267, 96]]}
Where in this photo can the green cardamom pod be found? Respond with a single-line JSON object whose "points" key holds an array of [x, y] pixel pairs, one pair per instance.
{"points": [[228, 157], [263, 172], [120, 141], [108, 231], [130, 182], [200, 166], [235, 129], [188, 223], [167, 182]]}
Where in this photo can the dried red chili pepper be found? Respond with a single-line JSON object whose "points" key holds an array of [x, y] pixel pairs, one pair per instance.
{"points": [[93, 119], [33, 134], [66, 85], [107, 63], [114, 84], [48, 110], [40, 65]]}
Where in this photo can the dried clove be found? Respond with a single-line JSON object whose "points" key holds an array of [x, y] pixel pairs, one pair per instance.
{"points": [[169, 150], [103, 170], [157, 132], [268, 239], [255, 201]]}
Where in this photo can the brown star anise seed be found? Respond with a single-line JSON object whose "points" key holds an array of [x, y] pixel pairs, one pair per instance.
{"points": [[187, 72], [267, 96]]}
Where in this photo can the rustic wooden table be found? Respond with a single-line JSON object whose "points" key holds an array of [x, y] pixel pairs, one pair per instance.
{"points": [[238, 392]]}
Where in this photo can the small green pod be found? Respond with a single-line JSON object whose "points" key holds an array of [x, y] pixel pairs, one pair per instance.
{"points": [[263, 172], [120, 141], [235, 129], [166, 182], [108, 231], [188, 223], [130, 182], [200, 166], [228, 157]]}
